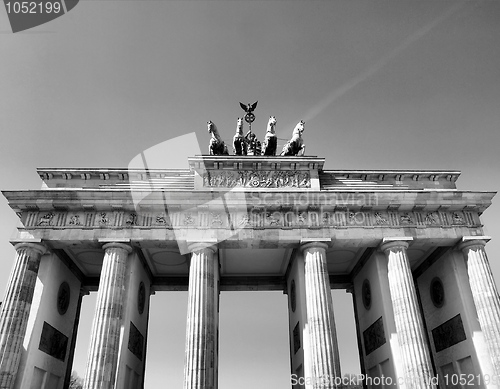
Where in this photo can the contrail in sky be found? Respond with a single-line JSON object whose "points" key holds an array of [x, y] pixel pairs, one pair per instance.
{"points": [[340, 91]]}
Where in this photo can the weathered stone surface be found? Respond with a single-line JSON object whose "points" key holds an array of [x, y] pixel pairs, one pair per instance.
{"points": [[409, 325], [322, 334], [15, 309], [485, 294], [201, 361], [105, 339]]}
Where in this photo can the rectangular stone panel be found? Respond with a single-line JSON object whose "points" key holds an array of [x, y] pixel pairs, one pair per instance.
{"points": [[374, 336], [449, 377], [135, 341], [53, 342], [449, 333]]}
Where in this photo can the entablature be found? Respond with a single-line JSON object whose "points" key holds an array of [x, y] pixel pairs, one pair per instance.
{"points": [[140, 201], [248, 173]]}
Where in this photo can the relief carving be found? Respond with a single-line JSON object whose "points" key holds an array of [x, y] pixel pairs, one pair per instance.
{"points": [[273, 219], [103, 218], [260, 217], [457, 219], [75, 220], [430, 218], [188, 219], [216, 219], [257, 179], [244, 221], [161, 220], [46, 220], [132, 220], [379, 219], [406, 218]]}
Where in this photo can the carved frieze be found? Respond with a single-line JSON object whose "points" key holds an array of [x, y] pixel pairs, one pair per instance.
{"points": [[188, 219], [46, 219], [276, 216], [457, 218], [405, 218], [131, 219], [257, 179], [162, 220], [75, 220], [216, 219], [431, 218], [379, 219], [103, 218]]}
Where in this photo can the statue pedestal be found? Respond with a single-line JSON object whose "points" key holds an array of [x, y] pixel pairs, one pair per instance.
{"points": [[219, 172]]}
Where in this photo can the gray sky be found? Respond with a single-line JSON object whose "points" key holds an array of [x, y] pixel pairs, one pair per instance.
{"points": [[381, 84]]}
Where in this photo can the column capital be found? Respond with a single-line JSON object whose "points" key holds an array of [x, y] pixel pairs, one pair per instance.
{"points": [[201, 246], [398, 242], [118, 245], [38, 247], [469, 241], [84, 291], [319, 243]]}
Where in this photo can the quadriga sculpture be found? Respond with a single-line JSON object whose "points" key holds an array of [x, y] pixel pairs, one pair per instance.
{"points": [[217, 145], [253, 144], [239, 141], [295, 146], [270, 141]]}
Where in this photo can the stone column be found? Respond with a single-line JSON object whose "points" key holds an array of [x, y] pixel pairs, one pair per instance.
{"points": [[201, 361], [71, 356], [484, 293], [16, 308], [107, 326], [325, 361], [409, 325]]}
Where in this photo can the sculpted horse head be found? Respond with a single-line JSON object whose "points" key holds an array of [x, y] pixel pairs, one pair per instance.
{"points": [[216, 146], [212, 129], [239, 142], [270, 141], [295, 146], [271, 125], [298, 130], [239, 126]]}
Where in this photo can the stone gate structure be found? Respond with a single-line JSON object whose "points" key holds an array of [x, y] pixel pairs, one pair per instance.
{"points": [[408, 245]]}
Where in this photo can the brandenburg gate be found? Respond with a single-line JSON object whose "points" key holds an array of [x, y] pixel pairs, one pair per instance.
{"points": [[408, 245]]}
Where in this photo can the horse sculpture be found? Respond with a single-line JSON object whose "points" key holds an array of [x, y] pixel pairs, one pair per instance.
{"points": [[295, 146], [239, 142], [217, 145], [270, 141]]}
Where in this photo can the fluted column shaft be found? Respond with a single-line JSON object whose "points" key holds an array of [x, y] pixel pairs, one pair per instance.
{"points": [[485, 295], [325, 362], [16, 308], [105, 338], [201, 358], [409, 325]]}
